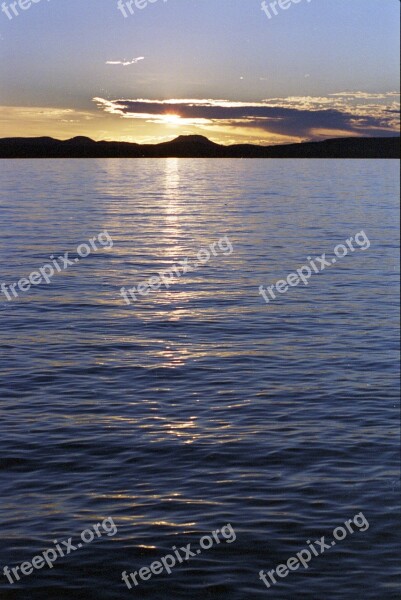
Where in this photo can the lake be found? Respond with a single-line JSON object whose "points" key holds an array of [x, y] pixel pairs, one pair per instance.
{"points": [[199, 405]]}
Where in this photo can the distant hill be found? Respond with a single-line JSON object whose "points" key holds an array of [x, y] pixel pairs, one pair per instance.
{"points": [[197, 146]]}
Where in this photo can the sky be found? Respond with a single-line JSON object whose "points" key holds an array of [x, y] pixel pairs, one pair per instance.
{"points": [[227, 69]]}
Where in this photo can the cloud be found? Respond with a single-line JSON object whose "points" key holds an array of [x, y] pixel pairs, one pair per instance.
{"points": [[344, 113], [43, 114], [125, 63], [366, 95], [37, 121]]}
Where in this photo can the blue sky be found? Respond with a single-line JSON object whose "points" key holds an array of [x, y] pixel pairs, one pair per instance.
{"points": [[317, 69]]}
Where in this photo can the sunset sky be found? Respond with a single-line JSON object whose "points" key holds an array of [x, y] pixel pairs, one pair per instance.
{"points": [[219, 68]]}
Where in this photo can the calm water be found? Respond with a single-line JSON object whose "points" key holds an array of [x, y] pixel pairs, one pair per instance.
{"points": [[200, 405]]}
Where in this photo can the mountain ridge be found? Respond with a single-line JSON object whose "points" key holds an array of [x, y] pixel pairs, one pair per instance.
{"points": [[197, 146]]}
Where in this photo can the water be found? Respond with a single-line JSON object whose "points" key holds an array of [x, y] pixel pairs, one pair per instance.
{"points": [[200, 405]]}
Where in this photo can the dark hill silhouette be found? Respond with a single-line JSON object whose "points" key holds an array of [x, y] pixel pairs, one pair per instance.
{"points": [[194, 139], [197, 146]]}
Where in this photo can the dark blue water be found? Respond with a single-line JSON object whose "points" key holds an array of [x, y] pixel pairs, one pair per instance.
{"points": [[200, 405]]}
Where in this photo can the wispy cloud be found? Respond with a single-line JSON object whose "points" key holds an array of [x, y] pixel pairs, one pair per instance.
{"points": [[125, 63]]}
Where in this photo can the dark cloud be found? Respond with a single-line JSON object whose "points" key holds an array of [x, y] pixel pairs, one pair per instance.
{"points": [[312, 115]]}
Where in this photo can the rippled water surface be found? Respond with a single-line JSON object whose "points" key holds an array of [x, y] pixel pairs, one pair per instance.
{"points": [[200, 405]]}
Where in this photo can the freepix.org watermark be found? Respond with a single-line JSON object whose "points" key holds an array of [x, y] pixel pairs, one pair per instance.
{"points": [[11, 9], [126, 6], [64, 548], [316, 548], [270, 8], [169, 561], [168, 276], [316, 265], [59, 264]]}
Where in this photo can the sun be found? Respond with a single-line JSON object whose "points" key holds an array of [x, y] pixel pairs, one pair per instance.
{"points": [[171, 119]]}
